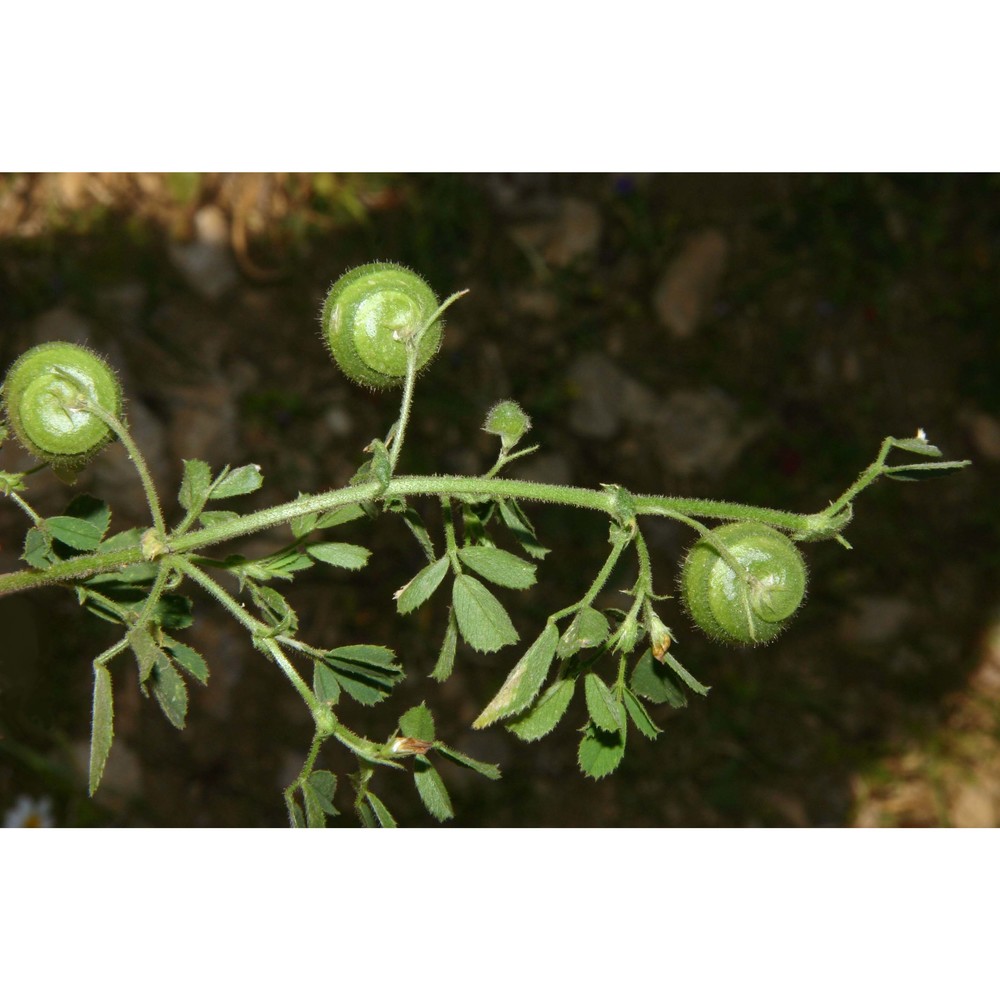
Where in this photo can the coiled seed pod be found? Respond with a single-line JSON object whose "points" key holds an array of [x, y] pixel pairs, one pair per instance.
{"points": [[42, 396], [367, 317], [748, 607]]}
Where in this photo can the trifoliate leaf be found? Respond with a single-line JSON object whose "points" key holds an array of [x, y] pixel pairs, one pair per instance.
{"points": [[237, 482], [418, 723], [170, 691], [482, 620], [446, 658], [195, 484], [102, 725], [640, 717], [588, 629], [600, 752], [431, 788], [654, 682], [419, 589], [187, 658], [545, 714], [605, 711], [490, 771], [366, 673], [78, 534], [523, 682], [340, 554], [498, 566]]}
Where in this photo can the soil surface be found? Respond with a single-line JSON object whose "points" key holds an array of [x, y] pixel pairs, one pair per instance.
{"points": [[737, 337]]}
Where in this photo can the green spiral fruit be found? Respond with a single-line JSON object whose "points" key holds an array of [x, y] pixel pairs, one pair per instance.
{"points": [[750, 609], [367, 317], [42, 395]]}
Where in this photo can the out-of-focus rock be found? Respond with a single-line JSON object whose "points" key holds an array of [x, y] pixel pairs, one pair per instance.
{"points": [[691, 432], [539, 302], [876, 619], [985, 432], [603, 396], [207, 262], [975, 805], [573, 232], [690, 282], [61, 323], [122, 779], [554, 469], [203, 421], [701, 432]]}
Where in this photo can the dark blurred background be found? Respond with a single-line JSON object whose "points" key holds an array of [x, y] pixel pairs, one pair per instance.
{"points": [[737, 337]]}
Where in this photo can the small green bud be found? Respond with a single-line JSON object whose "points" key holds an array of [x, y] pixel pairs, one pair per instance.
{"points": [[508, 421]]}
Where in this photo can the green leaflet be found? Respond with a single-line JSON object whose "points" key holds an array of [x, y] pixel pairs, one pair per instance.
{"points": [[674, 665], [325, 685], [340, 554], [522, 529], [446, 658], [92, 510], [38, 549], [323, 785], [605, 711], [545, 714], [588, 629], [600, 752], [277, 611], [421, 587], [918, 445], [384, 817], [170, 691], [342, 515], [499, 567], [102, 725], [144, 647], [418, 723], [482, 620], [640, 717], [195, 485], [431, 789], [237, 482], [490, 771], [924, 470], [653, 681], [75, 532], [187, 658], [523, 682]]}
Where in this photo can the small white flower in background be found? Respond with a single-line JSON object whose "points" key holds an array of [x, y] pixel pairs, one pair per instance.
{"points": [[29, 812]]}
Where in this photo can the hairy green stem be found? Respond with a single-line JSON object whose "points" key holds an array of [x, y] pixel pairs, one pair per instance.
{"points": [[398, 488], [149, 487]]}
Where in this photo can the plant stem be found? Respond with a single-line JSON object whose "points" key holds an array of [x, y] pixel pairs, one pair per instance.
{"points": [[253, 625], [401, 487], [26, 507], [119, 428]]}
